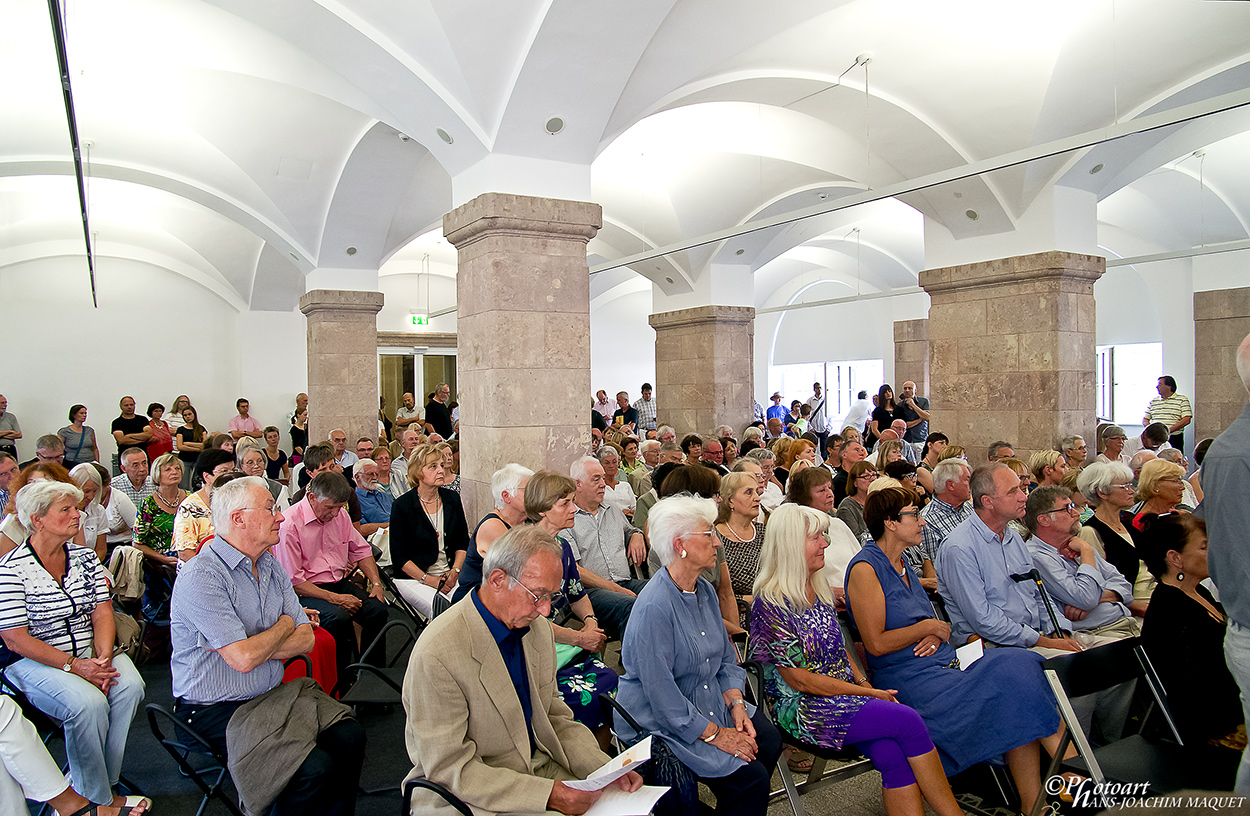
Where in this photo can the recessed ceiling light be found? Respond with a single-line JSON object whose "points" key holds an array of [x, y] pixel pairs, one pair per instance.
{"points": [[444, 135], [554, 125], [670, 280], [404, 137], [822, 196], [351, 250], [959, 195], [972, 215], [1097, 168], [739, 252]]}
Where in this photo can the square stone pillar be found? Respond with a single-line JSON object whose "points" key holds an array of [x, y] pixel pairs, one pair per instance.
{"points": [[342, 363], [704, 367], [1011, 344], [523, 323], [911, 356], [1221, 322]]}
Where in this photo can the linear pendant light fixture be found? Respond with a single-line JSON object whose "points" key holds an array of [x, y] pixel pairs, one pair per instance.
{"points": [[62, 59]]}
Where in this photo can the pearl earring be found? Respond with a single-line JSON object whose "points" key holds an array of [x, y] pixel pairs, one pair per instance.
{"points": [[683, 553], [1180, 576]]}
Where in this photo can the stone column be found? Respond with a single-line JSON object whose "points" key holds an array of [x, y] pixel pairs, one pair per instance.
{"points": [[1011, 345], [1221, 322], [704, 367], [342, 363], [911, 356], [523, 323]]}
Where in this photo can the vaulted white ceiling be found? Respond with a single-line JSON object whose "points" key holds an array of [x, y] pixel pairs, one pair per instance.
{"points": [[242, 144]]}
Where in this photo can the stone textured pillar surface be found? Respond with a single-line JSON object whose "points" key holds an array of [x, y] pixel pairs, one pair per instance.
{"points": [[1011, 350], [704, 367], [523, 326], [342, 363], [1221, 322], [911, 356]]}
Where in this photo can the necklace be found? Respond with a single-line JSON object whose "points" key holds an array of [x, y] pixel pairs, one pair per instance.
{"points": [[428, 501], [174, 504], [737, 537]]}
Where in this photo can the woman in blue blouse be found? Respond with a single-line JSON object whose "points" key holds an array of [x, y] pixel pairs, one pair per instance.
{"points": [[682, 681]]}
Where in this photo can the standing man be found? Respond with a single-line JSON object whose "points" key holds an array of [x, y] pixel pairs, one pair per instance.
{"points": [[777, 410], [1172, 409], [1225, 485], [10, 430], [625, 418], [408, 413], [48, 448], [317, 543], [818, 423], [301, 404], [130, 430], [645, 407], [241, 424], [857, 416], [437, 414], [133, 480], [233, 620], [914, 411], [602, 405]]}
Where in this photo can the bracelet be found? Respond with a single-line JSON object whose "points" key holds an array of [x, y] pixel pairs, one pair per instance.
{"points": [[588, 617], [861, 681], [739, 701], [708, 740]]}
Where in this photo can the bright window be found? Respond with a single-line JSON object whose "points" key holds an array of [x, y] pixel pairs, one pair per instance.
{"points": [[842, 379], [1126, 378]]}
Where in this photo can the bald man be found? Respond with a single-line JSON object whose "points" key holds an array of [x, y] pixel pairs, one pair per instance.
{"points": [[408, 413]]}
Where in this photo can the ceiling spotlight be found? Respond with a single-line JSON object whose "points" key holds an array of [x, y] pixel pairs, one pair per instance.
{"points": [[404, 137], [822, 196], [739, 252], [351, 250], [670, 280], [554, 125], [1097, 168], [444, 135], [972, 215], [959, 195]]}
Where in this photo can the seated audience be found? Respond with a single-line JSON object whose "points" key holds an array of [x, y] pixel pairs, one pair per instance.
{"points": [[1004, 705], [133, 480], [741, 536], [605, 544], [221, 441], [781, 449], [773, 493], [381, 456], [234, 620], [1094, 595], [119, 511], [648, 499], [154, 537], [12, 531], [950, 506], [930, 455], [193, 524], [730, 446], [79, 439], [815, 490], [484, 715], [1113, 438], [904, 473], [57, 619], [1048, 468], [1074, 451], [714, 455], [1000, 450], [630, 460], [375, 501], [1160, 488], [1189, 499], [1108, 487], [853, 451], [320, 459], [507, 487], [8, 470], [317, 543], [617, 491], [1200, 453], [276, 466], [94, 521], [429, 534], [692, 449], [28, 772], [696, 708], [810, 677], [851, 510], [1073, 483], [1184, 632], [250, 461]]}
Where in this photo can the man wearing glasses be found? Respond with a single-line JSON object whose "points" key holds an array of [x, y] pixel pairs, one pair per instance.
{"points": [[1095, 597], [234, 619], [485, 718]]}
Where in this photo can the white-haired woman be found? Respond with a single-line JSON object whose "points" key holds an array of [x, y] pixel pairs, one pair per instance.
{"points": [[818, 694], [507, 486], [250, 459], [55, 614], [682, 681], [1108, 487], [94, 520], [617, 491], [772, 494]]}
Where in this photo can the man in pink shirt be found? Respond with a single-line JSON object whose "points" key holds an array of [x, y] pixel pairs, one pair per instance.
{"points": [[244, 425], [319, 548]]}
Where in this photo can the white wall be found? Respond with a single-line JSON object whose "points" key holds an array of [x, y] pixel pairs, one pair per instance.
{"points": [[156, 335], [622, 344]]}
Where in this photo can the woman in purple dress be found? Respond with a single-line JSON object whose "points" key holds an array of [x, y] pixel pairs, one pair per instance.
{"points": [[817, 694]]}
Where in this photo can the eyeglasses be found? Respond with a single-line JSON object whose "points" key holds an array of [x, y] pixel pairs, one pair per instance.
{"points": [[271, 509], [1125, 485], [915, 513], [1068, 508], [553, 598], [867, 476]]}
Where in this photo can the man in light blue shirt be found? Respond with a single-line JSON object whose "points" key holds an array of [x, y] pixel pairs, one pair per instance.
{"points": [[975, 566], [1094, 595]]}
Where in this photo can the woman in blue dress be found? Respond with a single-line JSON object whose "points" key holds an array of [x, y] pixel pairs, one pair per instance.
{"points": [[998, 706]]}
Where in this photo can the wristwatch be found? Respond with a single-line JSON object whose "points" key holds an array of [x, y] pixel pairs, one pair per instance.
{"points": [[69, 664]]}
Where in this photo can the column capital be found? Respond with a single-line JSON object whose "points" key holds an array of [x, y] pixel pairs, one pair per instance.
{"points": [[1041, 266], [341, 300], [507, 214], [702, 315]]}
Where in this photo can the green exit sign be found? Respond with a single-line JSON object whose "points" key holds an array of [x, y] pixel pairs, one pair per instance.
{"points": [[420, 319]]}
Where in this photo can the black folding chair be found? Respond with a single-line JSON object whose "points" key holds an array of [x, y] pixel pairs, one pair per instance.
{"points": [[183, 743], [1166, 762], [421, 782]]}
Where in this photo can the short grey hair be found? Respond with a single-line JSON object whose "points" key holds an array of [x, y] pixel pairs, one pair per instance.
{"points": [[606, 451], [947, 471], [359, 467], [1172, 455], [130, 452], [514, 549], [752, 432], [660, 430], [672, 518], [81, 474], [1095, 480], [1069, 442], [577, 470], [37, 497], [1041, 502], [669, 447], [722, 431], [231, 497], [761, 455], [507, 479], [648, 444]]}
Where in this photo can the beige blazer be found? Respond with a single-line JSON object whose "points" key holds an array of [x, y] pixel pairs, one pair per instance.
{"points": [[465, 728]]}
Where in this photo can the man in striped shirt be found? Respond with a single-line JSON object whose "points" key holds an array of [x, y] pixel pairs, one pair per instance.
{"points": [[1172, 409]]}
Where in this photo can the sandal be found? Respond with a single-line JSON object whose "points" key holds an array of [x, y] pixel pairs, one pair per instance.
{"points": [[798, 761], [128, 807]]}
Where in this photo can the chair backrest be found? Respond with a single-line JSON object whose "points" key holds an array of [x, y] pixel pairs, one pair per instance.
{"points": [[1097, 669]]}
